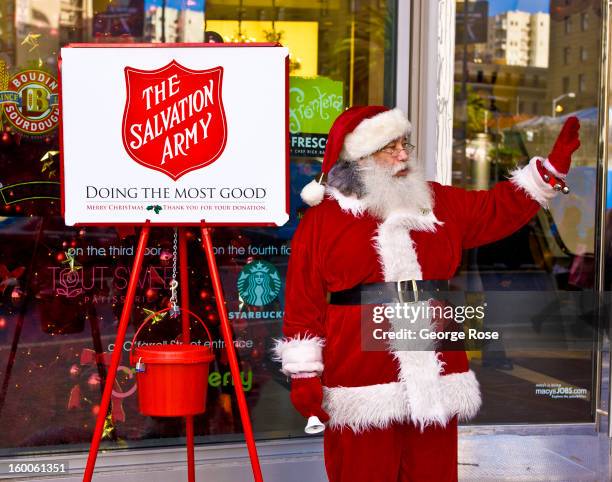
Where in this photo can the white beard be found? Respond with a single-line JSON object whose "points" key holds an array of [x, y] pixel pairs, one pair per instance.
{"points": [[386, 194]]}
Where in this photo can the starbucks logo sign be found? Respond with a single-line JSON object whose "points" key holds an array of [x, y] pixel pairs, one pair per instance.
{"points": [[259, 283]]}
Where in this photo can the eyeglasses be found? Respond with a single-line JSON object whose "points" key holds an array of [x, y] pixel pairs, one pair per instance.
{"points": [[406, 146]]}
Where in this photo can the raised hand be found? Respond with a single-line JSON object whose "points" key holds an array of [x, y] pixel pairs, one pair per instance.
{"points": [[567, 143], [554, 169]]}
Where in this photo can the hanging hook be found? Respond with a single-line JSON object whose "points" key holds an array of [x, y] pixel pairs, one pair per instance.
{"points": [[174, 307]]}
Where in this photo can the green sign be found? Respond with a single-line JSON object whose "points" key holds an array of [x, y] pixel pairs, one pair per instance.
{"points": [[259, 283], [314, 104]]}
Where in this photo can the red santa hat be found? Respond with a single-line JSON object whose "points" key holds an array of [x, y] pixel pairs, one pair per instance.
{"points": [[356, 133]]}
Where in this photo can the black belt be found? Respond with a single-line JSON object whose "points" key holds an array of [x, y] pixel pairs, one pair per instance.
{"points": [[387, 292]]}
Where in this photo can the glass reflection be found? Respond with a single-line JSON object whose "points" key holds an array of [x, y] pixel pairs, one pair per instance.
{"points": [[521, 68], [61, 289]]}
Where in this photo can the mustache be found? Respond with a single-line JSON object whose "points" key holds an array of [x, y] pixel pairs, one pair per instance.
{"points": [[371, 165], [400, 167]]}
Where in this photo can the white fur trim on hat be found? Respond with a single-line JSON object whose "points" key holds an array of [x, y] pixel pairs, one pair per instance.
{"points": [[375, 133], [299, 354], [313, 193]]}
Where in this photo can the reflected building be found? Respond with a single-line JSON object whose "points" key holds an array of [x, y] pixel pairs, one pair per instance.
{"points": [[575, 40], [31, 31], [519, 38], [174, 21], [509, 70], [509, 89]]}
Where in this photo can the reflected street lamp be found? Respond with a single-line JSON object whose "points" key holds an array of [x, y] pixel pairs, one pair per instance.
{"points": [[571, 95]]}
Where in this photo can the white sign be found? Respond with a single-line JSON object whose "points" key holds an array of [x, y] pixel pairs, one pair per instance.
{"points": [[174, 134]]}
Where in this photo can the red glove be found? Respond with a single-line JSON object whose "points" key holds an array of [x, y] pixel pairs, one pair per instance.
{"points": [[307, 397], [568, 141], [555, 168]]}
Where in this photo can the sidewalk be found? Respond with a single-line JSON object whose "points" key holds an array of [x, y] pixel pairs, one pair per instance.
{"points": [[579, 454]]}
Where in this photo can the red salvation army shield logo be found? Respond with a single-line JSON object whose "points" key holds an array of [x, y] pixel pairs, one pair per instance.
{"points": [[174, 121]]}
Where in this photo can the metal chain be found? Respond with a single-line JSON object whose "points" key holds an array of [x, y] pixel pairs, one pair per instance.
{"points": [[174, 307]]}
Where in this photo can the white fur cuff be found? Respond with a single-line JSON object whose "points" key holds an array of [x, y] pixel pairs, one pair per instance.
{"points": [[529, 180], [552, 169], [300, 354], [378, 406], [375, 133]]}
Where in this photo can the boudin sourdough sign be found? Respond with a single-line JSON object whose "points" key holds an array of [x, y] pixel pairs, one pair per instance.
{"points": [[180, 134]]}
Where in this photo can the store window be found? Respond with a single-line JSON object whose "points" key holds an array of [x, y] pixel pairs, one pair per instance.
{"points": [[61, 289], [538, 282]]}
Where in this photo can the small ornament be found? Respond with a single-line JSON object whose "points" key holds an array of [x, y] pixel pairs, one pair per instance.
{"points": [[154, 207], [71, 261], [157, 317], [108, 432], [174, 311], [31, 40], [140, 366], [49, 163]]}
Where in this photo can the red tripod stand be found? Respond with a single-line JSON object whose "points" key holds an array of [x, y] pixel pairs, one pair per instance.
{"points": [[227, 338]]}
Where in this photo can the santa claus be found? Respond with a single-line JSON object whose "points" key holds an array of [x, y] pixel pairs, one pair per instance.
{"points": [[390, 415]]}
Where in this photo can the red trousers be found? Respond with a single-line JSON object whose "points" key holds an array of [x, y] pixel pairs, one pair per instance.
{"points": [[399, 453]]}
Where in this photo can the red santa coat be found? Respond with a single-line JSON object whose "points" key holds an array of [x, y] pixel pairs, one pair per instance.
{"points": [[338, 245]]}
